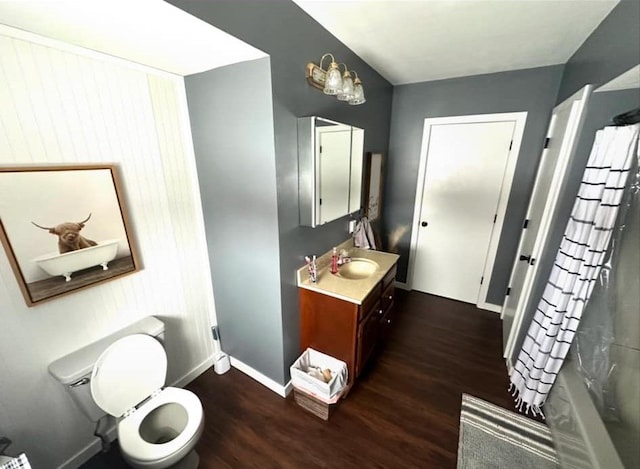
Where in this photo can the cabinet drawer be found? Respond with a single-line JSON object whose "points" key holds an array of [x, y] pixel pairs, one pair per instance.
{"points": [[369, 303], [390, 278]]}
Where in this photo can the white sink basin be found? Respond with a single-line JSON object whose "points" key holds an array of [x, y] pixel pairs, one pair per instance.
{"points": [[358, 268]]}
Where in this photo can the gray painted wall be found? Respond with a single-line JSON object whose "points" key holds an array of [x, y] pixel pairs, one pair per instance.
{"points": [[292, 38], [613, 48], [231, 118], [532, 90]]}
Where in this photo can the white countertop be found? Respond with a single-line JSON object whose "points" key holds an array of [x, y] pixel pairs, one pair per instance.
{"points": [[352, 290]]}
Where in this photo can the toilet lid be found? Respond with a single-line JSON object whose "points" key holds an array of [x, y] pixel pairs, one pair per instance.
{"points": [[128, 372]]}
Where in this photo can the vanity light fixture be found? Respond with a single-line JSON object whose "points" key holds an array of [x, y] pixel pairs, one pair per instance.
{"points": [[358, 92], [332, 82], [346, 91]]}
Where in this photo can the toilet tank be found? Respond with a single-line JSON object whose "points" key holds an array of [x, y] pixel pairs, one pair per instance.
{"points": [[74, 370]]}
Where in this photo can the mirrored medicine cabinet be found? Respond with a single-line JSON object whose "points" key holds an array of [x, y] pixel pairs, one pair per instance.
{"points": [[330, 161]]}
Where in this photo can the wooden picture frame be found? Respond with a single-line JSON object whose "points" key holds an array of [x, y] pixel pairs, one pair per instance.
{"points": [[374, 179], [64, 228]]}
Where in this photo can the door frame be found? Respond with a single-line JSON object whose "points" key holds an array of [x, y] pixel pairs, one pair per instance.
{"points": [[520, 119], [578, 102]]}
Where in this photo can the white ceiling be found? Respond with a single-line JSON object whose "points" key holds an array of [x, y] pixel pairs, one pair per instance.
{"points": [[405, 41], [423, 40], [148, 32]]}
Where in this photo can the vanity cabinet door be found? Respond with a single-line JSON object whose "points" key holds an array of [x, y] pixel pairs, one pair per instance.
{"points": [[387, 310], [329, 325], [367, 338]]}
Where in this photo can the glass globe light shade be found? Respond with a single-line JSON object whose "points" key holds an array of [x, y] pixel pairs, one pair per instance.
{"points": [[358, 93], [333, 81], [347, 92]]}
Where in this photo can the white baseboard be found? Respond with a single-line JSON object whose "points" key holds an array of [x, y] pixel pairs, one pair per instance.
{"points": [[194, 373], [95, 446], [490, 307], [279, 389], [88, 451]]}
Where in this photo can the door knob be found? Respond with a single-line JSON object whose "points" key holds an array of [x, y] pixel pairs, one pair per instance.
{"points": [[525, 258], [424, 223]]}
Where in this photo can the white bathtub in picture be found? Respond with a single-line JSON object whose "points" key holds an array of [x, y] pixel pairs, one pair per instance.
{"points": [[65, 264]]}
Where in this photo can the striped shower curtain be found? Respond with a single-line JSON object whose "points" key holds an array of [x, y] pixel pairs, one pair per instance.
{"points": [[576, 268]]}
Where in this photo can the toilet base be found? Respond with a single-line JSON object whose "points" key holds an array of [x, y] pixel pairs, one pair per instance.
{"points": [[190, 461]]}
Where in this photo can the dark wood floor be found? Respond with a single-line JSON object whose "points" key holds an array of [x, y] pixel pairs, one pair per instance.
{"points": [[403, 413]]}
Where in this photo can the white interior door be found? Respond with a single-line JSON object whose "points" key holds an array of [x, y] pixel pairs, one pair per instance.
{"points": [[458, 204], [562, 136]]}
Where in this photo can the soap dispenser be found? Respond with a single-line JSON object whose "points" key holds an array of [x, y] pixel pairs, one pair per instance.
{"points": [[334, 261]]}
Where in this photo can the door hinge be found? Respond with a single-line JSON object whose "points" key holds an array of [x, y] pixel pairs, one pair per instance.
{"points": [[321, 148], [508, 291], [546, 142], [481, 280], [525, 224], [320, 201], [495, 217], [510, 144]]}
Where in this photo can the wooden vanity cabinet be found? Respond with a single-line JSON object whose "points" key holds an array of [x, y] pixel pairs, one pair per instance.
{"points": [[387, 303], [345, 330]]}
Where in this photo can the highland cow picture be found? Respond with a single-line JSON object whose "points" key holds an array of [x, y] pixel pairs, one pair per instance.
{"points": [[64, 228]]}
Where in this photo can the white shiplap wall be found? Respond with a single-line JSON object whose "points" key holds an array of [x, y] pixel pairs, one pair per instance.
{"points": [[63, 105]]}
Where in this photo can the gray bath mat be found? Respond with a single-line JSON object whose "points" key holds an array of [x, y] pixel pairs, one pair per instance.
{"points": [[493, 437]]}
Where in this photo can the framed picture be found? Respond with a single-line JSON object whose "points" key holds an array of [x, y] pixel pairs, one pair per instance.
{"points": [[64, 228]]}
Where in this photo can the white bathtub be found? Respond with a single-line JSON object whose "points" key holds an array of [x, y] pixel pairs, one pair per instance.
{"points": [[65, 264], [580, 436]]}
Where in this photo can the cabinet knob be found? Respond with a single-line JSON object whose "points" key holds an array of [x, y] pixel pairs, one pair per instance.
{"points": [[388, 321], [380, 312], [391, 297]]}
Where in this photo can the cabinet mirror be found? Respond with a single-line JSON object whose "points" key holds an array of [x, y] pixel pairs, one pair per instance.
{"points": [[330, 161]]}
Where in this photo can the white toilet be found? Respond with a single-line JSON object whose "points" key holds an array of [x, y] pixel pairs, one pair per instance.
{"points": [[157, 427], [122, 375]]}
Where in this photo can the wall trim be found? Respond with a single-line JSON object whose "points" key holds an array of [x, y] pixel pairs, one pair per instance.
{"points": [[519, 119], [88, 451], [490, 307], [577, 105], [403, 286], [194, 373], [282, 391]]}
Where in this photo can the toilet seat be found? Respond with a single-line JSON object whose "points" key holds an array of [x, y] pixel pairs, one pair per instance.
{"points": [[126, 382], [127, 372], [140, 451]]}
